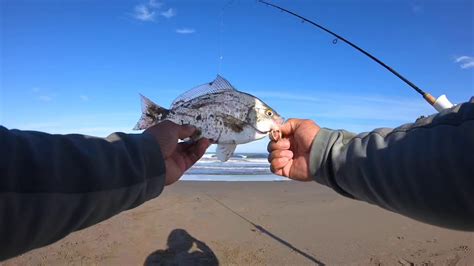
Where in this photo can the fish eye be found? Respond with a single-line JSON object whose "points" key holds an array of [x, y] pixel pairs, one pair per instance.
{"points": [[269, 113]]}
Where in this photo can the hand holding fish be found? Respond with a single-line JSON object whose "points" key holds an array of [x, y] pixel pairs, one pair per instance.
{"points": [[179, 157], [289, 156], [220, 112]]}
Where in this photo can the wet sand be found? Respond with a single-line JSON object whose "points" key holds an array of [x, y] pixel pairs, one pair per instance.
{"points": [[255, 223]]}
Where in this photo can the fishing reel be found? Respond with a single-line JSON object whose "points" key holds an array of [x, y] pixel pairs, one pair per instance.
{"points": [[440, 104]]}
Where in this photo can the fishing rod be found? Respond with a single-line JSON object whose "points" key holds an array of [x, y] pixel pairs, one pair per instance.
{"points": [[439, 103]]}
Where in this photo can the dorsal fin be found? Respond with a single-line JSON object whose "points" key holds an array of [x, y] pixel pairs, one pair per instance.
{"points": [[221, 84], [218, 85]]}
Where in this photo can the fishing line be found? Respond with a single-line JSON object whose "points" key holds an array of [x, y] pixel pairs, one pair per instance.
{"points": [[221, 33], [440, 103], [261, 229]]}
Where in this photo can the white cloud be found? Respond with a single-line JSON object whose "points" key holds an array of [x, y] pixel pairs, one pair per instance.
{"points": [[465, 61], [85, 98], [43, 95], [332, 107], [99, 124], [144, 13], [468, 65], [45, 98], [149, 11], [185, 31], [171, 12], [155, 4]]}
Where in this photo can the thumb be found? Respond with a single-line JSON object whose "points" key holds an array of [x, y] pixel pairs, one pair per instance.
{"points": [[289, 127], [185, 131]]}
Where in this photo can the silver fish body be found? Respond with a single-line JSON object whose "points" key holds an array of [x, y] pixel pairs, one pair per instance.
{"points": [[219, 112]]}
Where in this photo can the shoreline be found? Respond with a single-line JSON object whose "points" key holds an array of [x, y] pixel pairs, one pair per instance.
{"points": [[233, 178], [257, 222]]}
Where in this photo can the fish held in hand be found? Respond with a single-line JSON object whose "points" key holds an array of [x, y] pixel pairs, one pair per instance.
{"points": [[220, 112]]}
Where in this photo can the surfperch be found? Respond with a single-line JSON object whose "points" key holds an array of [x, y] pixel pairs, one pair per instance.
{"points": [[220, 112]]}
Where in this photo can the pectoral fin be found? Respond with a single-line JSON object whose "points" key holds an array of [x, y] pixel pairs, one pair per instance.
{"points": [[224, 151]]}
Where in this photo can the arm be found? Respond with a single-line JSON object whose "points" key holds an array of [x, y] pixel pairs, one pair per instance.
{"points": [[422, 170], [52, 185]]}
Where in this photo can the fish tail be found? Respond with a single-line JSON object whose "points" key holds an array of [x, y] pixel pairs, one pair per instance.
{"points": [[152, 114]]}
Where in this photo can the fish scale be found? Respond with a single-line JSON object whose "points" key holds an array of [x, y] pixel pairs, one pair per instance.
{"points": [[220, 112]]}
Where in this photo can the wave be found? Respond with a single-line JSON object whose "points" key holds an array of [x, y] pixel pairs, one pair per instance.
{"points": [[247, 164], [233, 161], [233, 178], [238, 156], [230, 168]]}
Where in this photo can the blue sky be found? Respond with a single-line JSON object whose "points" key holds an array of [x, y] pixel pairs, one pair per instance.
{"points": [[78, 66]]}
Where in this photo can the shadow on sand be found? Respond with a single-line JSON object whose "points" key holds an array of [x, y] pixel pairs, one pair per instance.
{"points": [[183, 249], [270, 234]]}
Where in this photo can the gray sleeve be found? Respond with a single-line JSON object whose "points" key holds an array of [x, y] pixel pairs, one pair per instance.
{"points": [[423, 170], [52, 185]]}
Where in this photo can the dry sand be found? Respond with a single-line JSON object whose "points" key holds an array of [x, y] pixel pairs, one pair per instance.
{"points": [[255, 223]]}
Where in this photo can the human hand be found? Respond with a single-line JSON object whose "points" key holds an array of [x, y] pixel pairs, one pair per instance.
{"points": [[289, 156], [179, 157]]}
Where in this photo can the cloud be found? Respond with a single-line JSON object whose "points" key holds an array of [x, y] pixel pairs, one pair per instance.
{"points": [[42, 94], [149, 11], [96, 124], [465, 61], [335, 110], [169, 13], [144, 13], [85, 98], [155, 4], [45, 98], [185, 31]]}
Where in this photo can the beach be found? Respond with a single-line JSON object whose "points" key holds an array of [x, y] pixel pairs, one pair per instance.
{"points": [[256, 223]]}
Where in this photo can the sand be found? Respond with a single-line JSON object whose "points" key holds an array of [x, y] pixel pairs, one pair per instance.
{"points": [[255, 223]]}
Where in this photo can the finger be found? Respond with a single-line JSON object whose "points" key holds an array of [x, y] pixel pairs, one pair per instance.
{"points": [[184, 146], [282, 144], [281, 168], [290, 126], [280, 154], [186, 131], [202, 146], [279, 163], [173, 129], [196, 151]]}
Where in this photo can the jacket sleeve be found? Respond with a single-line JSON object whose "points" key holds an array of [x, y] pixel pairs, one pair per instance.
{"points": [[52, 185], [423, 170]]}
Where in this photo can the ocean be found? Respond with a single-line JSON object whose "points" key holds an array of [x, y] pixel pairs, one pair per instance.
{"points": [[240, 167]]}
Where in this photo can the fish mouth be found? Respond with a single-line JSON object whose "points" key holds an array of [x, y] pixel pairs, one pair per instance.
{"points": [[259, 131], [279, 122], [262, 132]]}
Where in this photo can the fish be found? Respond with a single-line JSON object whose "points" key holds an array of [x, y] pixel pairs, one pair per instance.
{"points": [[220, 112]]}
